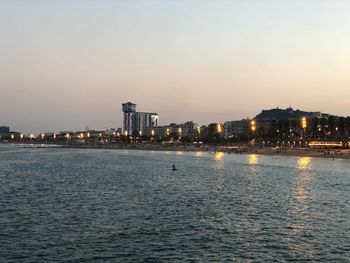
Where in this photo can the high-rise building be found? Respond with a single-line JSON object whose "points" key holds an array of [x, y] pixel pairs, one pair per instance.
{"points": [[137, 121], [143, 120], [129, 110]]}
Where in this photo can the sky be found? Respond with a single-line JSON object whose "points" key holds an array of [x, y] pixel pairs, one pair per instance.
{"points": [[68, 64]]}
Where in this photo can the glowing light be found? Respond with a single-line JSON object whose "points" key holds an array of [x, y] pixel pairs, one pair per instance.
{"points": [[12, 136], [219, 128], [67, 136], [126, 133], [81, 135], [253, 125], [42, 136], [253, 159], [54, 135], [152, 132], [88, 134], [31, 136], [303, 163], [180, 130], [22, 136], [303, 123], [325, 144], [219, 156]]}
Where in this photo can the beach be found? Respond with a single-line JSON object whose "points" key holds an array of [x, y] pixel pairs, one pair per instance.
{"points": [[242, 149]]}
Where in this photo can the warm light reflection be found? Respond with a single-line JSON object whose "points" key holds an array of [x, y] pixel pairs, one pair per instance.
{"points": [[253, 159], [199, 154], [303, 163], [219, 156]]}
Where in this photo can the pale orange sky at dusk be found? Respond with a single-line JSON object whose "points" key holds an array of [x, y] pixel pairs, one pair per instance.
{"points": [[70, 64]]}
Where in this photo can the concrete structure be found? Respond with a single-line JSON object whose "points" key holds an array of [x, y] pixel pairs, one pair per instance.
{"points": [[137, 122], [235, 128], [158, 132], [4, 129], [143, 120], [129, 110], [6, 133]]}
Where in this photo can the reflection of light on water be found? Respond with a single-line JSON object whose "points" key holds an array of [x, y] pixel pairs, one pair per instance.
{"points": [[299, 208], [219, 170], [253, 159], [304, 163], [179, 152], [199, 154], [219, 156], [300, 194]]}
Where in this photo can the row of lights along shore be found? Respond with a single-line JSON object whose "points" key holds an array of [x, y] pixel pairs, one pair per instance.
{"points": [[219, 129]]}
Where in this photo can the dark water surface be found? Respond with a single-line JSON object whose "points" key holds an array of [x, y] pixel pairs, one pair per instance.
{"points": [[71, 205]]}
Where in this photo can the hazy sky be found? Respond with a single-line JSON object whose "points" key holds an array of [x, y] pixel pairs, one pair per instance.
{"points": [[70, 64]]}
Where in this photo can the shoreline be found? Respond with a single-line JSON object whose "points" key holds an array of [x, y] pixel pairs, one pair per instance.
{"points": [[296, 152]]}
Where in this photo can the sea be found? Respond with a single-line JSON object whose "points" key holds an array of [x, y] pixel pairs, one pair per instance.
{"points": [[81, 205]]}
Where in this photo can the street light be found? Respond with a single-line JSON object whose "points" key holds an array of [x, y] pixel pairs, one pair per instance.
{"points": [[253, 126], [219, 129], [303, 123]]}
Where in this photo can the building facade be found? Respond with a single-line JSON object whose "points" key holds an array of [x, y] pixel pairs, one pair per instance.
{"points": [[137, 122], [129, 110], [235, 128]]}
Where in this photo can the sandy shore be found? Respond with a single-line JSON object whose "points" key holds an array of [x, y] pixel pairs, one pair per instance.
{"points": [[305, 152]]}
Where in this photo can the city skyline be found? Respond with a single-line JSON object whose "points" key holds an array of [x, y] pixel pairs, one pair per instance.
{"points": [[68, 65]]}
